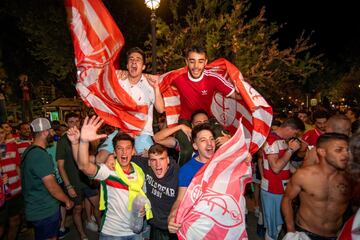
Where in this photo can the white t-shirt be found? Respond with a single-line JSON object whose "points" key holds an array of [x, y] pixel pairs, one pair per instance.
{"points": [[116, 195], [143, 94]]}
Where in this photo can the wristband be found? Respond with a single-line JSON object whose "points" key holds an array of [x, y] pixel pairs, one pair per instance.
{"points": [[291, 151], [69, 186], [82, 141]]}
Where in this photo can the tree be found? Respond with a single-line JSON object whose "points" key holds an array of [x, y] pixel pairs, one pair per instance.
{"points": [[225, 29]]}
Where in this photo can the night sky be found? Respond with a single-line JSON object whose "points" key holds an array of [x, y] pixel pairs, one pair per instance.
{"points": [[336, 24]]}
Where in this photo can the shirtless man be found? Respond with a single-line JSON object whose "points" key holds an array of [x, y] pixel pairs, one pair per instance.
{"points": [[323, 189], [337, 124]]}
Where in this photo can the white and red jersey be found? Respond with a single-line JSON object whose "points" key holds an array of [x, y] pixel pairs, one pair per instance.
{"points": [[274, 182], [9, 164], [22, 145], [198, 93]]}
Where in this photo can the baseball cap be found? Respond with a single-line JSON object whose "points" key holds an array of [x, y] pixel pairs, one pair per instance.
{"points": [[40, 124]]}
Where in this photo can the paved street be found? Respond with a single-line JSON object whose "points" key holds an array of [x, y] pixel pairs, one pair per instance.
{"points": [[251, 228]]}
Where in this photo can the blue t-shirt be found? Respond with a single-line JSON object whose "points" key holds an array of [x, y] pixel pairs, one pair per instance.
{"points": [[188, 171]]}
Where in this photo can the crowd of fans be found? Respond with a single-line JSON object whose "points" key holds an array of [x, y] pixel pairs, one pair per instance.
{"points": [[305, 175]]}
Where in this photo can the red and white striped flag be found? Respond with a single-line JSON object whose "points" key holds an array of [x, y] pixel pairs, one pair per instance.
{"points": [[97, 43]]}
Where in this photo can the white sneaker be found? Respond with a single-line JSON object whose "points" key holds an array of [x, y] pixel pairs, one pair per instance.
{"points": [[92, 226]]}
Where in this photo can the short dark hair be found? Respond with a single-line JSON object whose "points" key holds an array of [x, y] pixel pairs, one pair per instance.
{"points": [[304, 111], [197, 49], [2, 123], [326, 137], [55, 125], [196, 112], [122, 137], [71, 115], [135, 50], [199, 128], [23, 123], [294, 123], [275, 123], [157, 149], [320, 114]]}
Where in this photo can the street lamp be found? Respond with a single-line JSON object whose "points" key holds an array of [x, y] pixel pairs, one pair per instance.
{"points": [[153, 5]]}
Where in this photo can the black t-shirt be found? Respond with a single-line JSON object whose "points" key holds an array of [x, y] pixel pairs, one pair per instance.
{"points": [[162, 192]]}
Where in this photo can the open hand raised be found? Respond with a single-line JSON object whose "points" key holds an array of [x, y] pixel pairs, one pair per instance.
{"points": [[89, 129]]}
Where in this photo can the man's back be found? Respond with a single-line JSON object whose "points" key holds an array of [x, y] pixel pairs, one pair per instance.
{"points": [[39, 202], [323, 200]]}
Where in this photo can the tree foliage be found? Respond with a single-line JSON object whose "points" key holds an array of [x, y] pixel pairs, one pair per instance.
{"points": [[226, 29], [347, 86]]}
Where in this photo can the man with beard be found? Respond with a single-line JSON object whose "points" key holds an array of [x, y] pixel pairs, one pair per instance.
{"points": [[323, 189], [204, 143], [311, 136], [198, 86], [25, 137], [40, 188]]}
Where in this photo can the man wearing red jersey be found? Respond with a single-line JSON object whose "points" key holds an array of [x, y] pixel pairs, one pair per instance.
{"points": [[198, 86], [311, 136]]}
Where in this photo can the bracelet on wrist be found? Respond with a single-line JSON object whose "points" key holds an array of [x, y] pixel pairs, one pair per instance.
{"points": [[69, 186], [82, 141], [291, 151]]}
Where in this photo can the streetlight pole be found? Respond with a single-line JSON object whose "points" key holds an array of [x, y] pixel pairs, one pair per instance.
{"points": [[153, 45], [153, 5]]}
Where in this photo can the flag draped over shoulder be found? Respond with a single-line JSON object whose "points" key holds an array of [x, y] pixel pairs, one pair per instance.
{"points": [[214, 206], [97, 43], [252, 111]]}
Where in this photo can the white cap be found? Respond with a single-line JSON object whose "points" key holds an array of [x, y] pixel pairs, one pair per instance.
{"points": [[40, 124]]}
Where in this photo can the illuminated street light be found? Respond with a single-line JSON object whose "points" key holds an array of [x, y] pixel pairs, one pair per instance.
{"points": [[153, 5]]}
